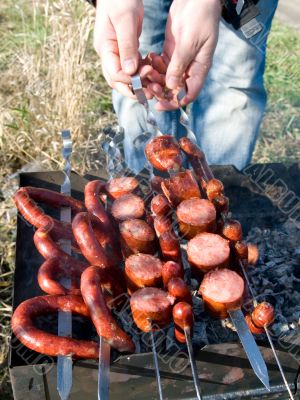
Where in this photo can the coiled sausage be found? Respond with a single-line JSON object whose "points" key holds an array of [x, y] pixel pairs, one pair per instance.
{"points": [[106, 326]]}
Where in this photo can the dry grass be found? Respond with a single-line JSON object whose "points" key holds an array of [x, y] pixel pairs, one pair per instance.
{"points": [[50, 79]]}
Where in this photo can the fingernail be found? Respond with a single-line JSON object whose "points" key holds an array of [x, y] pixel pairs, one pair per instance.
{"points": [[129, 66], [172, 82]]}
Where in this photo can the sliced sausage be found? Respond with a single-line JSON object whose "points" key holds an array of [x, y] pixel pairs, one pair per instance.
{"points": [[222, 290], [253, 328], [183, 319], [102, 318], [137, 237], [156, 184], [160, 205], [170, 246], [151, 308], [221, 202], [128, 206], [232, 230], [117, 187], [46, 343], [196, 216], [179, 187], [143, 270], [253, 254], [207, 251], [163, 153], [171, 269], [263, 314], [179, 290], [214, 188]]}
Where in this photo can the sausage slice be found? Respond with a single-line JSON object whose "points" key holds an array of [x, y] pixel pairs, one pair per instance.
{"points": [[128, 206]]}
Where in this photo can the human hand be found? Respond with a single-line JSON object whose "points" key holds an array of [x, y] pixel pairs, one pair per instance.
{"points": [[116, 39], [190, 40]]}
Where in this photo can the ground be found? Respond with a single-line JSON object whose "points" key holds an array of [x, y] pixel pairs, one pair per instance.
{"points": [[51, 79]]}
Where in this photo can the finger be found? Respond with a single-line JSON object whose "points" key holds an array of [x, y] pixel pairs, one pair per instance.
{"points": [[111, 62], [167, 105], [197, 74], [158, 63], [127, 38]]}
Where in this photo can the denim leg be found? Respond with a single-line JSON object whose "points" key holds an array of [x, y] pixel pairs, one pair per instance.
{"points": [[131, 115], [227, 114]]}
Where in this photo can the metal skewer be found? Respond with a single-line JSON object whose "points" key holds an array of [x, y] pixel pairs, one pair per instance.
{"points": [[64, 363], [187, 333], [156, 366]]}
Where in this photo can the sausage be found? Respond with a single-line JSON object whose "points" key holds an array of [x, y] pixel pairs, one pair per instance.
{"points": [[232, 230], [214, 188], [171, 269], [151, 308], [162, 224], [196, 216], [163, 153], [170, 246], [253, 254], [222, 290], [183, 319], [263, 314], [55, 268], [155, 183], [47, 343], [50, 197], [221, 202], [160, 205], [239, 255], [118, 187], [86, 239], [253, 328], [37, 217], [179, 187], [179, 290], [207, 251], [93, 203], [197, 159], [142, 270], [46, 246], [128, 206], [106, 326], [137, 237]]}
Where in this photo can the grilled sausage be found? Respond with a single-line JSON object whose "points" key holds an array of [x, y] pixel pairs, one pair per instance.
{"points": [[170, 246], [137, 237], [160, 205], [53, 269], [47, 343], [171, 269], [143, 270], [196, 216], [253, 254], [183, 319], [128, 206], [92, 192], [155, 183], [207, 251], [253, 328], [163, 153], [221, 202], [232, 230], [222, 290], [118, 187], [178, 289], [102, 318], [179, 187], [214, 188], [151, 308], [263, 314]]}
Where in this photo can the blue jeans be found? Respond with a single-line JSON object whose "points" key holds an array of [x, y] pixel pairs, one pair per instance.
{"points": [[228, 112]]}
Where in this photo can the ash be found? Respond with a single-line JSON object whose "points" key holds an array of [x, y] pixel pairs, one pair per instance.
{"points": [[275, 278]]}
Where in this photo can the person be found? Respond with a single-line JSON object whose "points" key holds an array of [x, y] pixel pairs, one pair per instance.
{"points": [[221, 69]]}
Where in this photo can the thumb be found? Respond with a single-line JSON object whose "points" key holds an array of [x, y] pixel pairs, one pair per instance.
{"points": [[180, 60], [127, 38]]}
